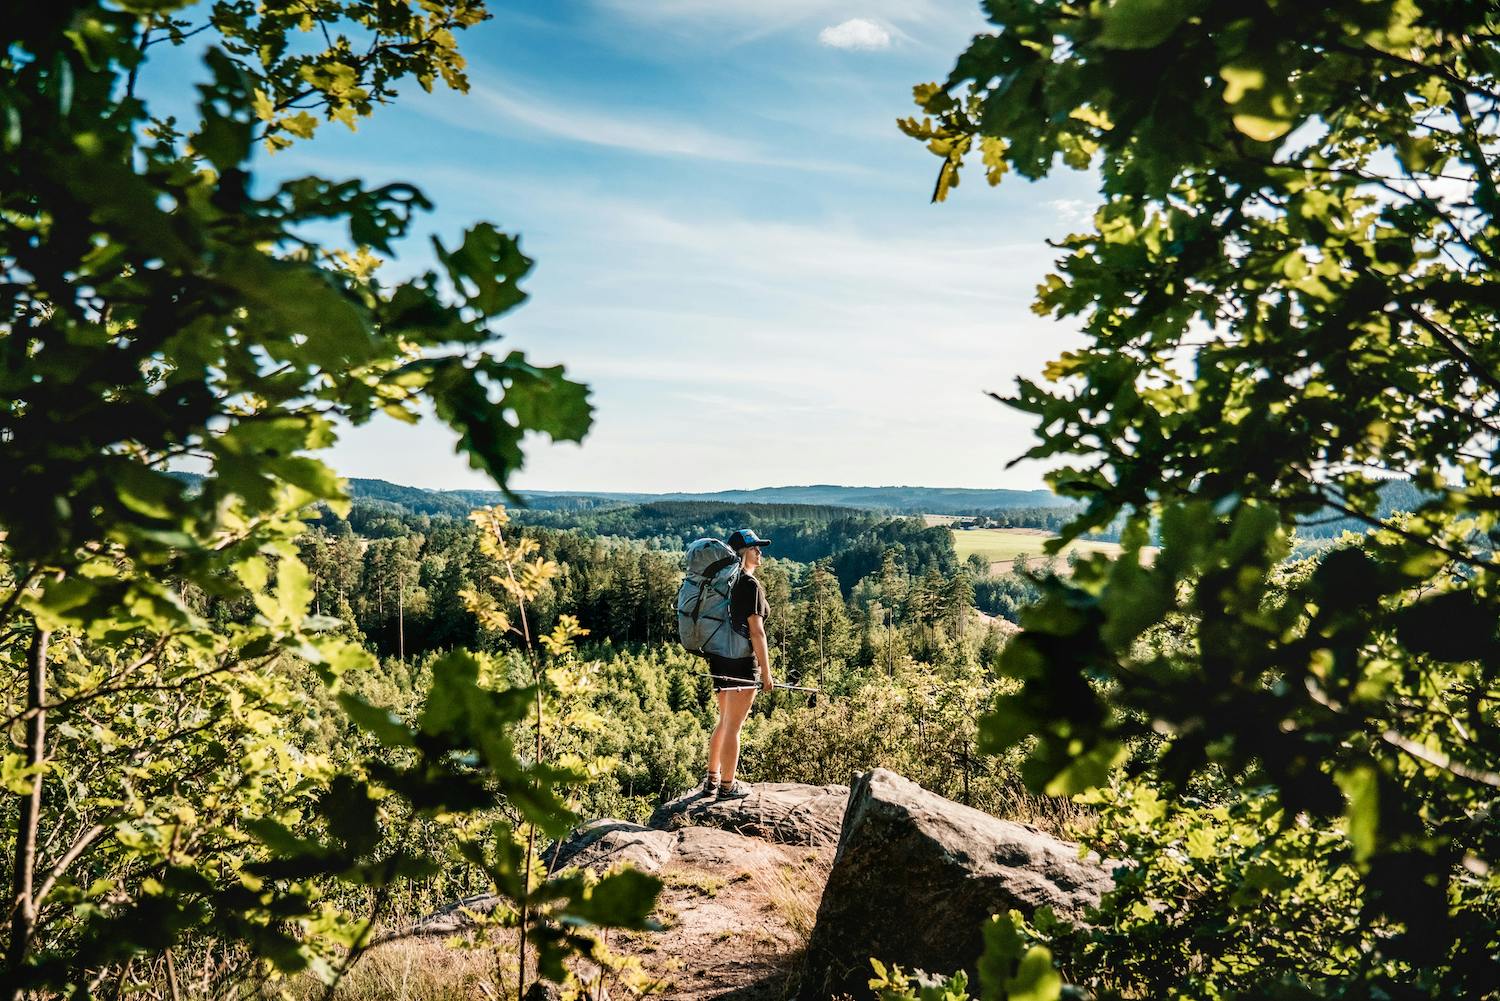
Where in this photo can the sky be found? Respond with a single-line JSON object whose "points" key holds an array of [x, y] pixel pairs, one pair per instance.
{"points": [[735, 246]]}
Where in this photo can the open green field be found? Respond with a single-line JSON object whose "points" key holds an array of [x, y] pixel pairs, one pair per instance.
{"points": [[1004, 545]]}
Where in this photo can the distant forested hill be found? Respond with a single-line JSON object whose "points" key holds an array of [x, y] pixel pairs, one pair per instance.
{"points": [[854, 541], [684, 521], [1396, 495], [892, 500], [379, 493], [459, 503], [668, 516], [900, 500]]}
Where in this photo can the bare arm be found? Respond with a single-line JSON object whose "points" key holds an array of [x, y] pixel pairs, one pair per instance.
{"points": [[762, 650]]}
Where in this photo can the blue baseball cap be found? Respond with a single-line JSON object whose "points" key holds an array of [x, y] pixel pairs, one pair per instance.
{"points": [[743, 538]]}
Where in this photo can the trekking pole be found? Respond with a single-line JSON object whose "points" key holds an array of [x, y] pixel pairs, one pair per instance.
{"points": [[778, 684]]}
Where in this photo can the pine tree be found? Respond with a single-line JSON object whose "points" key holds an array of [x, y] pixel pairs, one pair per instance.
{"points": [[925, 606], [773, 577], [626, 606], [826, 632], [958, 599], [990, 648], [894, 582]]}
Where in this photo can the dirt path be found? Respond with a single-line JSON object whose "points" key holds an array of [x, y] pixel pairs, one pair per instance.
{"points": [[733, 931]]}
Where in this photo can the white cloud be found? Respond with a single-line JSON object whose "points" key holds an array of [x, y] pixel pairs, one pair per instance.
{"points": [[944, 25], [1073, 211], [856, 33]]}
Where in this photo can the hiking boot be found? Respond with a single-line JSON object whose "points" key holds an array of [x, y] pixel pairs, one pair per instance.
{"points": [[734, 790], [710, 786]]}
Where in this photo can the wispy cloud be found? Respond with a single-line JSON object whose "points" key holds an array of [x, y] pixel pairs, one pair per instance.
{"points": [[858, 347], [654, 154], [846, 263], [856, 33], [493, 105], [808, 289]]}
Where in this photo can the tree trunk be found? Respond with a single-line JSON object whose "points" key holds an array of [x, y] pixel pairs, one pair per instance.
{"points": [[401, 616], [23, 915], [890, 643], [822, 656]]}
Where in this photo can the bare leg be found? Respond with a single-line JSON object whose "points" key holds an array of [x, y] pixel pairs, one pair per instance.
{"points": [[716, 742], [733, 708]]}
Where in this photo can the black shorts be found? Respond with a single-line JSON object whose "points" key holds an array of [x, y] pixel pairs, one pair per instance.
{"points": [[733, 674]]}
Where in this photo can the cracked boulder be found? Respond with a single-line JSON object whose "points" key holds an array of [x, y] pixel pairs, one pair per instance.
{"points": [[916, 876]]}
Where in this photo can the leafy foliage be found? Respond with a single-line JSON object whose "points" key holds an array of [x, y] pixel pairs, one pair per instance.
{"points": [[1012, 968], [1287, 295], [624, 898], [367, 48], [1228, 897], [467, 723], [157, 306], [161, 310]]}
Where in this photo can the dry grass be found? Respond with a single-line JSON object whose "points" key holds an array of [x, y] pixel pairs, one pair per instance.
{"points": [[1057, 815], [794, 892], [702, 883], [420, 969], [450, 969]]}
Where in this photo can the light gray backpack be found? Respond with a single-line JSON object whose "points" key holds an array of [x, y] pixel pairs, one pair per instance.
{"points": [[703, 601]]}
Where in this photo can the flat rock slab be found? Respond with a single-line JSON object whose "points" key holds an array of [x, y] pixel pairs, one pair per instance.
{"points": [[787, 813], [915, 877], [604, 843]]}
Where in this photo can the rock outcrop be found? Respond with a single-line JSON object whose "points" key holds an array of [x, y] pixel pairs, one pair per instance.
{"points": [[785, 813], [748, 883], [916, 875], [606, 843], [603, 843]]}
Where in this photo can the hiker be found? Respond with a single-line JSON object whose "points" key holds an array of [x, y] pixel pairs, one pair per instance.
{"points": [[734, 678]]}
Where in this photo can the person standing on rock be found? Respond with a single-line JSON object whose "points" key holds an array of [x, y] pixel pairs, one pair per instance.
{"points": [[735, 679]]}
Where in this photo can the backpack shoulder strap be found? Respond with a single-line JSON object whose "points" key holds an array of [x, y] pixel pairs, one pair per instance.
{"points": [[713, 569]]}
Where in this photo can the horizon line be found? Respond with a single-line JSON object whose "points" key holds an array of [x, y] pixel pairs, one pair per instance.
{"points": [[722, 490]]}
